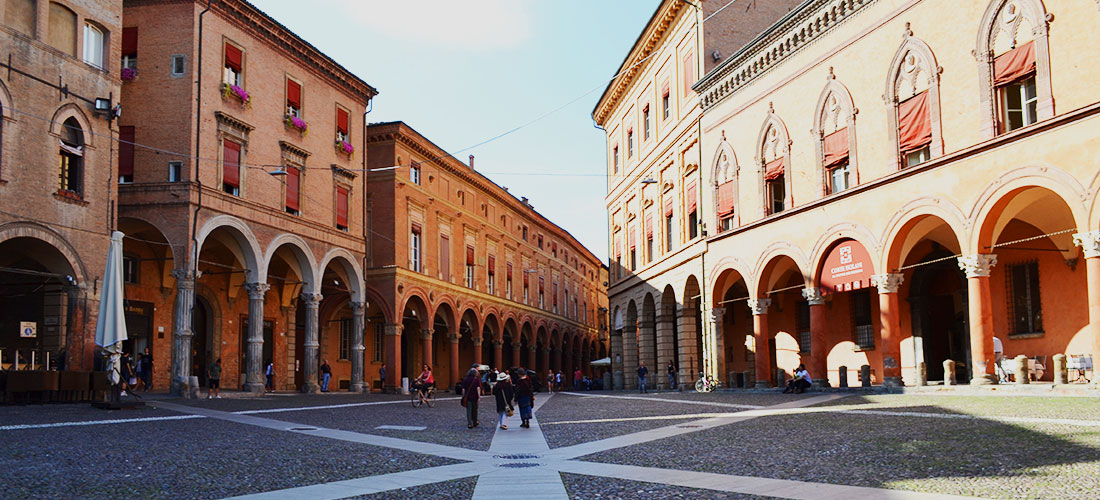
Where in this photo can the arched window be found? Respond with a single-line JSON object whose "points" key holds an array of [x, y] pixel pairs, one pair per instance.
{"points": [[71, 151], [913, 97], [725, 187], [773, 152], [1014, 66], [835, 134]]}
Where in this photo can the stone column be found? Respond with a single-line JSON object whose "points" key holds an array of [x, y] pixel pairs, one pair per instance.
{"points": [[819, 352], [181, 331], [453, 338], [532, 351], [647, 345], [890, 320], [1090, 244], [977, 269], [425, 348], [630, 357], [393, 356], [254, 375], [477, 354], [616, 358], [545, 361], [666, 349], [498, 354], [357, 311], [690, 361], [763, 351], [517, 350], [712, 346], [312, 302]]}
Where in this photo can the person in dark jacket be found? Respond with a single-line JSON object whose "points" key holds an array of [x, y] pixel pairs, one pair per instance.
{"points": [[525, 398], [504, 394], [471, 392]]}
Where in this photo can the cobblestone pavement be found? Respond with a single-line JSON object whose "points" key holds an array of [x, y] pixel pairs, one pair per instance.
{"points": [[605, 445]]}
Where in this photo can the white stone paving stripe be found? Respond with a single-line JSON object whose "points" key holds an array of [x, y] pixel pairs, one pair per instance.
{"points": [[530, 483], [16, 427], [685, 416], [665, 400], [401, 427], [780, 488], [329, 407], [374, 484]]}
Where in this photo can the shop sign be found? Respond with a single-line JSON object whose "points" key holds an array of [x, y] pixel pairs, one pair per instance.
{"points": [[847, 267]]}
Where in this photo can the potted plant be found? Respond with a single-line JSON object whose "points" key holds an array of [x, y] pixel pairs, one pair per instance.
{"points": [[345, 147], [297, 123], [129, 74], [235, 92]]}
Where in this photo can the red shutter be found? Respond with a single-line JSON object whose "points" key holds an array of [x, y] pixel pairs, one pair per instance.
{"points": [[836, 148], [125, 150], [416, 227], [293, 94], [691, 203], [509, 271], [469, 255], [292, 183], [129, 41], [525, 279], [541, 283], [689, 72], [342, 121], [341, 207], [633, 243], [555, 295], [233, 57], [231, 163], [670, 201], [914, 127], [649, 226], [775, 169], [1014, 64], [492, 266], [725, 199]]}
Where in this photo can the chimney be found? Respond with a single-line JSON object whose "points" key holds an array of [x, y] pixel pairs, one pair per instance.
{"points": [[471, 162]]}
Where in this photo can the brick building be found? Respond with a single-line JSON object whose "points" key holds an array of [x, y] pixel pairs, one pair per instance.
{"points": [[460, 271], [57, 191], [243, 199]]}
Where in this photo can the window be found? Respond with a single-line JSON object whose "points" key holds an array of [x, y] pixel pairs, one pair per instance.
{"points": [[469, 266], [491, 276], [379, 342], [803, 326], [526, 293], [917, 157], [645, 121], [863, 330], [633, 259], [175, 171], [776, 192], [914, 129], [293, 189], [693, 225], [508, 282], [554, 297], [345, 338], [62, 34], [445, 257], [93, 45], [1019, 103], [542, 297], [649, 246], [1024, 307], [21, 15], [540, 242], [414, 173], [630, 143], [725, 208], [524, 233], [414, 248], [234, 64], [615, 152], [231, 167], [179, 65], [838, 178], [666, 107], [342, 133], [691, 206], [689, 72], [668, 231], [129, 52], [342, 208], [125, 154], [71, 152], [837, 165], [293, 98], [130, 269]]}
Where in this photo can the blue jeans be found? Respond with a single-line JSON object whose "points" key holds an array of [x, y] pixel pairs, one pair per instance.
{"points": [[324, 381], [641, 384], [671, 380]]}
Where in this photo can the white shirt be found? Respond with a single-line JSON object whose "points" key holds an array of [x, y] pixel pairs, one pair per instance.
{"points": [[997, 346]]}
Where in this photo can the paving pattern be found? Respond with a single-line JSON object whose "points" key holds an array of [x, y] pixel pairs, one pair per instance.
{"points": [[588, 445]]}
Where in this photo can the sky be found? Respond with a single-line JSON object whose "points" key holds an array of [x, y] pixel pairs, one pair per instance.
{"points": [[463, 72]]}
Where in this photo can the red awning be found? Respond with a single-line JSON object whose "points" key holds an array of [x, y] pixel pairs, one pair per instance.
{"points": [[649, 225], [492, 265], [541, 283], [632, 238], [1014, 64], [725, 199], [342, 121], [691, 202], [670, 201], [341, 207], [129, 41], [233, 57], [914, 127], [848, 266], [469, 255], [775, 169], [292, 180], [509, 270], [293, 94], [231, 163], [416, 227], [836, 148], [125, 150]]}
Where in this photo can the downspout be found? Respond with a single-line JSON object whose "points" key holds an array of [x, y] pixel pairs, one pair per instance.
{"points": [[198, 152], [368, 224], [704, 360]]}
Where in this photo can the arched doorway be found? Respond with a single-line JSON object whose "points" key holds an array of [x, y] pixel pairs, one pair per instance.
{"points": [[39, 285]]}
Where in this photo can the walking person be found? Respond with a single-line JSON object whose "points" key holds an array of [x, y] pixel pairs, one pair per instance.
{"points": [[577, 377], [504, 394], [145, 371], [525, 398], [326, 375], [671, 375], [126, 372], [214, 379], [269, 372], [550, 381], [471, 392], [382, 377], [642, 372]]}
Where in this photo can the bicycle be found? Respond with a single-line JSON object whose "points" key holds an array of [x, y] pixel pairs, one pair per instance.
{"points": [[426, 395], [705, 384]]}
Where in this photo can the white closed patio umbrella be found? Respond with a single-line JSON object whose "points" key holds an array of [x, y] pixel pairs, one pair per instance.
{"points": [[601, 362], [110, 326]]}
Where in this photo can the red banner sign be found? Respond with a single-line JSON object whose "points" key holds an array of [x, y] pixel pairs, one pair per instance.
{"points": [[847, 267]]}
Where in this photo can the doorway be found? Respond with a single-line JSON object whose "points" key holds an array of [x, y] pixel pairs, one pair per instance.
{"points": [[938, 301]]}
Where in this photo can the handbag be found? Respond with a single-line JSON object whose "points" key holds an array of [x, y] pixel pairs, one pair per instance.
{"points": [[463, 402], [510, 411]]}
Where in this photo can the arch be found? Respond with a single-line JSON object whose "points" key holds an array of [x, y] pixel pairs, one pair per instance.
{"points": [[446, 312], [778, 249], [303, 258], [834, 112], [350, 265], [725, 179], [383, 303], [999, 31], [416, 303], [617, 321], [844, 230], [240, 232], [73, 111], [541, 335], [722, 266], [23, 229], [778, 265], [1000, 192], [911, 213], [913, 62], [774, 143]]}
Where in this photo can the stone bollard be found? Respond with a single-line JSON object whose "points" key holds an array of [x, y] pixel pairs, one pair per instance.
{"points": [[865, 375], [1021, 370], [731, 379], [749, 382], [193, 387], [1061, 374], [842, 372], [781, 377], [922, 373], [948, 372], [606, 381]]}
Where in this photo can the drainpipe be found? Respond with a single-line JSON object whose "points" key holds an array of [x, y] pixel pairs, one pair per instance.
{"points": [[198, 152], [368, 224]]}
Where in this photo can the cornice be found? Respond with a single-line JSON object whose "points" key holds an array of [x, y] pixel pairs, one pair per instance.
{"points": [[795, 31]]}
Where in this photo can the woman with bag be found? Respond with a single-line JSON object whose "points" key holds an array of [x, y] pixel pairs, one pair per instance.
{"points": [[504, 394], [471, 391], [525, 397]]}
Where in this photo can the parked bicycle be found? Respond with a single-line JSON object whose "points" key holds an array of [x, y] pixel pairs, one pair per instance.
{"points": [[705, 384]]}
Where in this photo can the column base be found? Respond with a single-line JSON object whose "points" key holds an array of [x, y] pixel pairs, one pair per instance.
{"points": [[820, 383], [892, 382], [618, 381], [985, 379], [763, 384], [254, 387], [311, 388], [357, 387], [180, 387]]}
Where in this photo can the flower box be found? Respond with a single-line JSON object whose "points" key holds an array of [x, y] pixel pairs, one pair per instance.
{"points": [[129, 74], [345, 147], [299, 124], [236, 93]]}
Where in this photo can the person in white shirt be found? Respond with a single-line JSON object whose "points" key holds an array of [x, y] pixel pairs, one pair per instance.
{"points": [[800, 382], [998, 358]]}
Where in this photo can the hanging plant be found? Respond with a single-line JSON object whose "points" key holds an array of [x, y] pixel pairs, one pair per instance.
{"points": [[129, 74], [298, 123], [235, 92]]}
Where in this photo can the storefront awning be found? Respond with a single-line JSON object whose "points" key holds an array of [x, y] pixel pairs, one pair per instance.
{"points": [[847, 267]]}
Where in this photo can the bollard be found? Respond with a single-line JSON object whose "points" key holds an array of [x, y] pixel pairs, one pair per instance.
{"points": [[1022, 375], [865, 375], [922, 373], [1061, 374], [193, 387], [842, 372], [731, 379], [780, 377], [748, 377], [948, 372]]}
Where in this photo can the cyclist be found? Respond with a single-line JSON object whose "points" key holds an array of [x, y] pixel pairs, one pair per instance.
{"points": [[425, 380]]}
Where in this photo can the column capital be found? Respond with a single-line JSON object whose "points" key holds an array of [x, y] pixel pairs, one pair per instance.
{"points": [[426, 334], [393, 329], [813, 296], [497, 343], [311, 299], [453, 337], [888, 282], [533, 348], [977, 265], [256, 290], [185, 278], [358, 308], [1089, 242], [759, 306], [717, 313], [477, 341]]}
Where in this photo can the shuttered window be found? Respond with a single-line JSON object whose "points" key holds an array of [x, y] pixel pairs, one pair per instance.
{"points": [[342, 208]]}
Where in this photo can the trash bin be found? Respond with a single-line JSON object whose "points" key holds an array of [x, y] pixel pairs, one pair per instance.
{"points": [[404, 385], [458, 389]]}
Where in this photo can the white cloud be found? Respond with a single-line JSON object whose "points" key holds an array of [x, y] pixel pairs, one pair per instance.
{"points": [[462, 24]]}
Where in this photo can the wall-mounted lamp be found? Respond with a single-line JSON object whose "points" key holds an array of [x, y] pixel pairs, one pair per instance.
{"points": [[649, 180]]}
